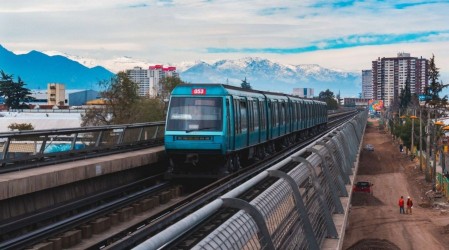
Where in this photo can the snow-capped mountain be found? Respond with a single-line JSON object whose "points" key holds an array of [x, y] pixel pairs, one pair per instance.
{"points": [[261, 73], [267, 75]]}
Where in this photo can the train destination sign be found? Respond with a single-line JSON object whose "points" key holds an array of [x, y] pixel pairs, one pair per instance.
{"points": [[199, 91]]}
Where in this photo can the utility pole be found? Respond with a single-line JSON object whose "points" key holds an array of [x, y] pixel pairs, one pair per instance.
{"points": [[420, 139], [428, 147], [413, 131]]}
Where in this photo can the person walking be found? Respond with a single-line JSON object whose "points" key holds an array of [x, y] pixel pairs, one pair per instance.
{"points": [[409, 205], [401, 205]]}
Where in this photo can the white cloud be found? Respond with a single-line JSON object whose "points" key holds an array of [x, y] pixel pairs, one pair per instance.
{"points": [[183, 30]]}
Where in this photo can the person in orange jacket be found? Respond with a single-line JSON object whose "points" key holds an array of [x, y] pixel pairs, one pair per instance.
{"points": [[401, 205], [409, 205]]}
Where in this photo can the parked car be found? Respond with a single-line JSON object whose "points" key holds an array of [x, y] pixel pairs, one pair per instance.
{"points": [[369, 147], [363, 187]]}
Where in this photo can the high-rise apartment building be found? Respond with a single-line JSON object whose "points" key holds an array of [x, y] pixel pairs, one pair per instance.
{"points": [[367, 84], [149, 80], [390, 75]]}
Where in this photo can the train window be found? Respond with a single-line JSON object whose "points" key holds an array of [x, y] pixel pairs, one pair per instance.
{"points": [[293, 111], [195, 113], [250, 116], [237, 117], [282, 106], [255, 110], [274, 114], [244, 116], [262, 115], [298, 111]]}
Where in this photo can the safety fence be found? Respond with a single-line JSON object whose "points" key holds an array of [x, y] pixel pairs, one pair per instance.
{"points": [[25, 147], [297, 211]]}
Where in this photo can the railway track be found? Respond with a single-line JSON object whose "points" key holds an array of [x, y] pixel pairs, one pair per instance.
{"points": [[135, 232]]}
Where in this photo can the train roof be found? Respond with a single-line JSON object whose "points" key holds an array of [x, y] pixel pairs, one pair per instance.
{"points": [[224, 89]]}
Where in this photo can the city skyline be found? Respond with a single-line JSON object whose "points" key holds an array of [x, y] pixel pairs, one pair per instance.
{"points": [[344, 35]]}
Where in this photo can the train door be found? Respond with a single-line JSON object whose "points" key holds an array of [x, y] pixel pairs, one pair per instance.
{"points": [[230, 124], [283, 118], [274, 108], [241, 123], [263, 121], [253, 111]]}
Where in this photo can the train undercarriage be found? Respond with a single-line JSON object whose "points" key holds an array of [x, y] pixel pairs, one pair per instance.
{"points": [[213, 165]]}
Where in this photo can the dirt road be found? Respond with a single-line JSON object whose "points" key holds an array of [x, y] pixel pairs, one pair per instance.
{"points": [[375, 221]]}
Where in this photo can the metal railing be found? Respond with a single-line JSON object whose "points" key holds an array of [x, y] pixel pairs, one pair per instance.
{"points": [[25, 149], [296, 212]]}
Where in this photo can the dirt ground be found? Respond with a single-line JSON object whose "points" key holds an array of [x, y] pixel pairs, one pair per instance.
{"points": [[374, 220]]}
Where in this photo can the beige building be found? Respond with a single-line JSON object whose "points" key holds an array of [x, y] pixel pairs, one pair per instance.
{"points": [[56, 94]]}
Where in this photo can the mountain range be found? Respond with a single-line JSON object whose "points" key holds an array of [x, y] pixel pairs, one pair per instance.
{"points": [[39, 68]]}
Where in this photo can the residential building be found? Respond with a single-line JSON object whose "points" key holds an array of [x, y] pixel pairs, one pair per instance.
{"points": [[56, 94], [149, 80], [367, 84], [303, 92], [390, 75]]}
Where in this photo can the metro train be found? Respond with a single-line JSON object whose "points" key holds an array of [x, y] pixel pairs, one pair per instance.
{"points": [[211, 129]]}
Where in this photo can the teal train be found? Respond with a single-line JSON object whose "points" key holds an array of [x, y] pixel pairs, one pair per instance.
{"points": [[214, 129]]}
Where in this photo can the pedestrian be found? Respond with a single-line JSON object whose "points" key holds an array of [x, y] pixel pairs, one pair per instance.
{"points": [[401, 205], [409, 205], [401, 147]]}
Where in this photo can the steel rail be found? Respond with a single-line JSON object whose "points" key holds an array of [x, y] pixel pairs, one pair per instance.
{"points": [[49, 231], [196, 200], [165, 238]]}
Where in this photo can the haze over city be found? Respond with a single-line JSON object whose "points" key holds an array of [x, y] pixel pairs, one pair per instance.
{"points": [[344, 35]]}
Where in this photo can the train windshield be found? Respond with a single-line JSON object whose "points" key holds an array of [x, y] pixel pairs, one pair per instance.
{"points": [[195, 114]]}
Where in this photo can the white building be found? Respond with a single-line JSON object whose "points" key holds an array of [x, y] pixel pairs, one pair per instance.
{"points": [[367, 84], [149, 79], [303, 92], [391, 74]]}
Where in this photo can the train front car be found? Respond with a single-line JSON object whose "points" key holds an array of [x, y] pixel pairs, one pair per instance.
{"points": [[195, 130]]}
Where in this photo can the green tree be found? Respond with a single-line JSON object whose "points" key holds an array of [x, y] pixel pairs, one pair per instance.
{"points": [[245, 84], [435, 86], [15, 93], [121, 98], [328, 97], [405, 97], [123, 105], [168, 84]]}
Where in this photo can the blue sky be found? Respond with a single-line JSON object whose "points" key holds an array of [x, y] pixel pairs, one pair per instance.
{"points": [[345, 35]]}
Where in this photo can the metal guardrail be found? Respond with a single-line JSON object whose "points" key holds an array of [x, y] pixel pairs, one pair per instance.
{"points": [[295, 212], [30, 148]]}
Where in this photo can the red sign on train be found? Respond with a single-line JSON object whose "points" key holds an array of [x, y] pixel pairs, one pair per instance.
{"points": [[198, 91]]}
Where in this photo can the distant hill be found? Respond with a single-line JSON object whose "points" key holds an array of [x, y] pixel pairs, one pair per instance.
{"points": [[37, 69]]}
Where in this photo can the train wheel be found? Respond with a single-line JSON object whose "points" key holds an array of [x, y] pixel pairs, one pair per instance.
{"points": [[260, 152], [227, 166], [236, 162], [172, 166]]}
